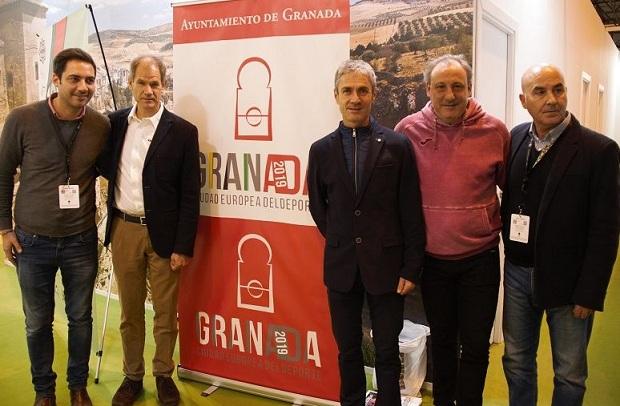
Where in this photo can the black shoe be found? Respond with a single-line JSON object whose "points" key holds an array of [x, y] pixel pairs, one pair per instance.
{"points": [[167, 391], [127, 393], [45, 400]]}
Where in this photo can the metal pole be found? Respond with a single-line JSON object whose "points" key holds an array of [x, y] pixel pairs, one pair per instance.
{"points": [[99, 352], [90, 8]]}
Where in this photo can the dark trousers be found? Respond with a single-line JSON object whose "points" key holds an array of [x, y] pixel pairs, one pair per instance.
{"points": [[460, 299], [40, 259], [386, 314]]}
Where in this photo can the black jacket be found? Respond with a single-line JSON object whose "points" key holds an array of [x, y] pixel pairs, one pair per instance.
{"points": [[577, 226], [381, 230], [170, 181]]}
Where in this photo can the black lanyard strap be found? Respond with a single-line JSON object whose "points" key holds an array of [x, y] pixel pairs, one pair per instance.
{"points": [[66, 147], [529, 169]]}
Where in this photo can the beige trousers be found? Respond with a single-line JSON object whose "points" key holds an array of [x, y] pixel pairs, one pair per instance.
{"points": [[136, 263]]}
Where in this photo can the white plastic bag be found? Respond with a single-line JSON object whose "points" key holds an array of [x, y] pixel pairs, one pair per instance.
{"points": [[412, 346]]}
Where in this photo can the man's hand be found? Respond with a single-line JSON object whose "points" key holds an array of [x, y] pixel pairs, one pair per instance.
{"points": [[404, 286], [11, 247], [179, 261], [581, 312]]}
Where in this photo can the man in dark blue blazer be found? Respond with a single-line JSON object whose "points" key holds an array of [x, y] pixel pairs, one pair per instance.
{"points": [[152, 165], [560, 213], [365, 199]]}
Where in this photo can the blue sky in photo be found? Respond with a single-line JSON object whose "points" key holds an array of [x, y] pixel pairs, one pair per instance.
{"points": [[120, 14], [115, 14]]}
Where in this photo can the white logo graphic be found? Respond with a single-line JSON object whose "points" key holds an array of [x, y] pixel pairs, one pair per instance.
{"points": [[254, 274]]}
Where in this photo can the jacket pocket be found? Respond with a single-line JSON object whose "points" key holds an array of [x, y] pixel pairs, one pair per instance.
{"points": [[454, 231]]}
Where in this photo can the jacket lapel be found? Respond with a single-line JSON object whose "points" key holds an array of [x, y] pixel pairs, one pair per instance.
{"points": [[120, 134], [338, 157], [375, 146], [161, 132], [567, 149], [517, 142]]}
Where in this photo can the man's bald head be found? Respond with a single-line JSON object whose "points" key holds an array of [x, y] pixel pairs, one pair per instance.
{"points": [[535, 70], [544, 96]]}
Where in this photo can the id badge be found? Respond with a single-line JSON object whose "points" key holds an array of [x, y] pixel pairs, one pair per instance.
{"points": [[519, 228], [69, 196]]}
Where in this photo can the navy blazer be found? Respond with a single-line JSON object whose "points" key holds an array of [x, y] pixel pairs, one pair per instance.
{"points": [[578, 218], [170, 181], [381, 230]]}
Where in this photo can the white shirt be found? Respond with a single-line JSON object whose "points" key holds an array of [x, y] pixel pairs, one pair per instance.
{"points": [[128, 196]]}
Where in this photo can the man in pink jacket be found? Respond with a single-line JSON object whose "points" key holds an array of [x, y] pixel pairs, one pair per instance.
{"points": [[461, 153]]}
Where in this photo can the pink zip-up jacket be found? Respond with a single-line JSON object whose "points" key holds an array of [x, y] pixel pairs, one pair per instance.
{"points": [[460, 166]]}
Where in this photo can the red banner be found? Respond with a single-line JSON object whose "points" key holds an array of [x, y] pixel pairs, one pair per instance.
{"points": [[253, 307], [259, 313]]}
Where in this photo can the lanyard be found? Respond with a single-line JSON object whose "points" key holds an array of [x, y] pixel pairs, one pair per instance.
{"points": [[529, 169], [67, 148], [540, 156]]}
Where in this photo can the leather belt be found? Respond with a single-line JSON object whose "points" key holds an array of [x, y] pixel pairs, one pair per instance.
{"points": [[128, 217]]}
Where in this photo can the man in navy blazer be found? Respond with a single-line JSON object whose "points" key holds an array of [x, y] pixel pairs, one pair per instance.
{"points": [[560, 213], [365, 199], [152, 165]]}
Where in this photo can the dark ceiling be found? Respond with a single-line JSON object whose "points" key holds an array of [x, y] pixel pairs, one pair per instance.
{"points": [[609, 10]]}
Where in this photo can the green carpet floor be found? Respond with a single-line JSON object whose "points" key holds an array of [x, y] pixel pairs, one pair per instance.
{"points": [[15, 387]]}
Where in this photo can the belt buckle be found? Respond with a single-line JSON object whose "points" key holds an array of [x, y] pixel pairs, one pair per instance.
{"points": [[142, 220]]}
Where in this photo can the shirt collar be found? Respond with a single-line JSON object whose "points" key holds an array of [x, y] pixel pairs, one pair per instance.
{"points": [[359, 131], [552, 136], [154, 119], [55, 113]]}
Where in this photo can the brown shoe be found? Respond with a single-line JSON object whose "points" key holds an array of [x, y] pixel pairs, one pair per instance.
{"points": [[79, 397], [127, 393], [167, 391], [45, 400]]}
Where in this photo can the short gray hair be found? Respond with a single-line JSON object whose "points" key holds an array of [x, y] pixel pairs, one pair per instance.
{"points": [[133, 66], [356, 65], [448, 59]]}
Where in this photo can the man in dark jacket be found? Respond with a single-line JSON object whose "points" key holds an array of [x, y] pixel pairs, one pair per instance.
{"points": [[560, 212], [365, 199], [152, 165]]}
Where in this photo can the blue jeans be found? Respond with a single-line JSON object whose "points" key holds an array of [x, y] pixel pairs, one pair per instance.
{"points": [[569, 343], [76, 256]]}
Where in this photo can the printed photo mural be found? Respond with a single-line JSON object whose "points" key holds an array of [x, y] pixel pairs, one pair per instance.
{"points": [[398, 38]]}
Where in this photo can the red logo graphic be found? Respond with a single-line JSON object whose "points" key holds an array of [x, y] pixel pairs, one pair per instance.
{"points": [[254, 274], [253, 110]]}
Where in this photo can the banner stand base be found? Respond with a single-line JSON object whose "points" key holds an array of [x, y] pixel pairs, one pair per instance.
{"points": [[216, 381], [209, 391]]}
